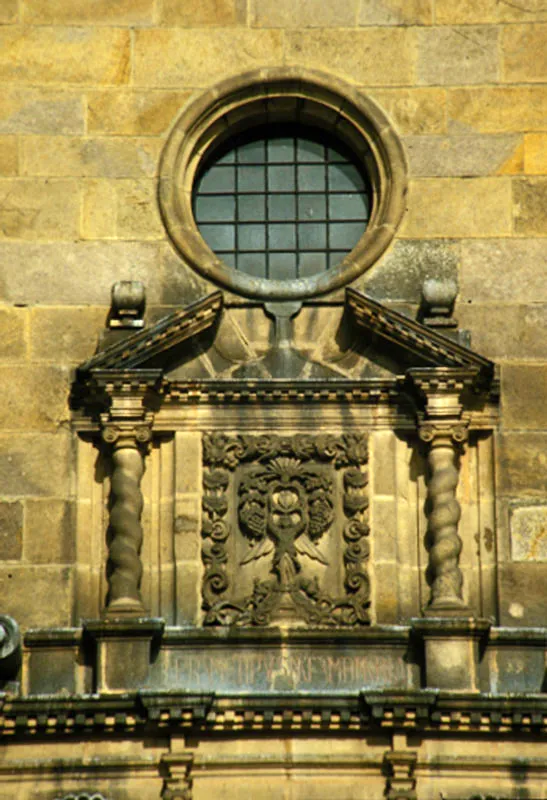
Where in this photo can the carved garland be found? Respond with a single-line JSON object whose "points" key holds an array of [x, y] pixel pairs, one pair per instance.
{"points": [[285, 505]]}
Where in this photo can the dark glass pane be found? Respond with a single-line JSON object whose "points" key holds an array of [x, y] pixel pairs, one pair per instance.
{"points": [[251, 179], [309, 151], [252, 264], [281, 207], [282, 237], [348, 206], [312, 206], [312, 236], [281, 150], [251, 237], [217, 179], [282, 266], [311, 264], [345, 235], [345, 177], [228, 258], [251, 208], [281, 179], [214, 209], [219, 237], [311, 179], [252, 152]]}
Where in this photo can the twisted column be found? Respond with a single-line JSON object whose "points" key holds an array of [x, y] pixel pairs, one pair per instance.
{"points": [[126, 503], [443, 512]]}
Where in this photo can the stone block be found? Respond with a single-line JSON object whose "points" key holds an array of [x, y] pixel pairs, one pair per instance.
{"points": [[121, 209], [523, 601], [497, 109], [399, 275], [46, 111], [385, 598], [45, 55], [181, 285], [191, 58], [530, 206], [524, 53], [451, 651], [52, 670], [118, 157], [11, 530], [304, 14], [506, 332], [396, 12], [38, 209], [13, 344], [524, 389], [99, 209], [35, 464], [522, 464], [83, 272], [370, 57], [471, 12], [34, 398], [535, 154], [9, 12], [65, 335], [123, 649], [49, 531], [502, 270], [37, 597], [202, 12], [188, 467], [188, 527], [128, 113], [414, 111], [528, 526], [465, 156], [518, 669], [9, 156], [457, 55], [82, 12], [445, 207]]}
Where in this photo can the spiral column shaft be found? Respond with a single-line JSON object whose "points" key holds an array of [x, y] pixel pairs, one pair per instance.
{"points": [[443, 516], [125, 567]]}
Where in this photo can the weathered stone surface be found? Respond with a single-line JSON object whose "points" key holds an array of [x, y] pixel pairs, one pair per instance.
{"points": [[468, 12], [202, 12], [465, 156], [524, 53], [506, 331], [530, 206], [522, 594], [65, 335], [13, 345], [121, 209], [370, 57], [114, 157], [457, 55], [175, 57], [399, 275], [524, 389], [9, 11], [38, 209], [133, 113], [81, 55], [528, 525], [180, 285], [9, 156], [304, 14], [46, 111], [450, 207], [36, 596], [414, 111], [49, 532], [11, 530], [503, 270], [396, 12], [63, 273], [35, 464], [535, 154], [82, 12], [497, 109], [34, 398], [523, 464]]}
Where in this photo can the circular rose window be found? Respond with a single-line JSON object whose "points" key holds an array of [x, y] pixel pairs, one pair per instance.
{"points": [[282, 187]]}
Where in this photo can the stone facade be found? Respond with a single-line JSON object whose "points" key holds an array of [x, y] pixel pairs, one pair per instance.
{"points": [[423, 675]]}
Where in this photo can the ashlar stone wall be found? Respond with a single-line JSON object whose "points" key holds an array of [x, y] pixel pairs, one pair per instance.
{"points": [[88, 92]]}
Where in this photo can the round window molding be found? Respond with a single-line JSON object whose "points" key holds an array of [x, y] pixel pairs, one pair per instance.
{"points": [[281, 96]]}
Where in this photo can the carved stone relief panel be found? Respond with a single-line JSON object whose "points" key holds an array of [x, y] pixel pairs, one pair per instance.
{"points": [[285, 534]]}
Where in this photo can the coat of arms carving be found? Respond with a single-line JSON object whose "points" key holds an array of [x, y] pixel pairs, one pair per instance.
{"points": [[285, 533]]}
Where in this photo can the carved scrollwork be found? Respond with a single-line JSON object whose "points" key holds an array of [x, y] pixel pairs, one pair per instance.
{"points": [[279, 492]]}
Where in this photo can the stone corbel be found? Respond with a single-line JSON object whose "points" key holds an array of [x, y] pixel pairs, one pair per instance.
{"points": [[126, 428], [400, 766], [443, 425], [177, 784]]}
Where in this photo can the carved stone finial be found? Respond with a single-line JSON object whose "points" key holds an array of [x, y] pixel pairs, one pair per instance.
{"points": [[438, 298], [128, 304]]}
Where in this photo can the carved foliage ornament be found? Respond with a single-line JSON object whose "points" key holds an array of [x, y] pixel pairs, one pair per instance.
{"points": [[270, 509]]}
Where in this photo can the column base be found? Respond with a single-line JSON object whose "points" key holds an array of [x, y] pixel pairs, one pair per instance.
{"points": [[451, 651], [122, 651]]}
